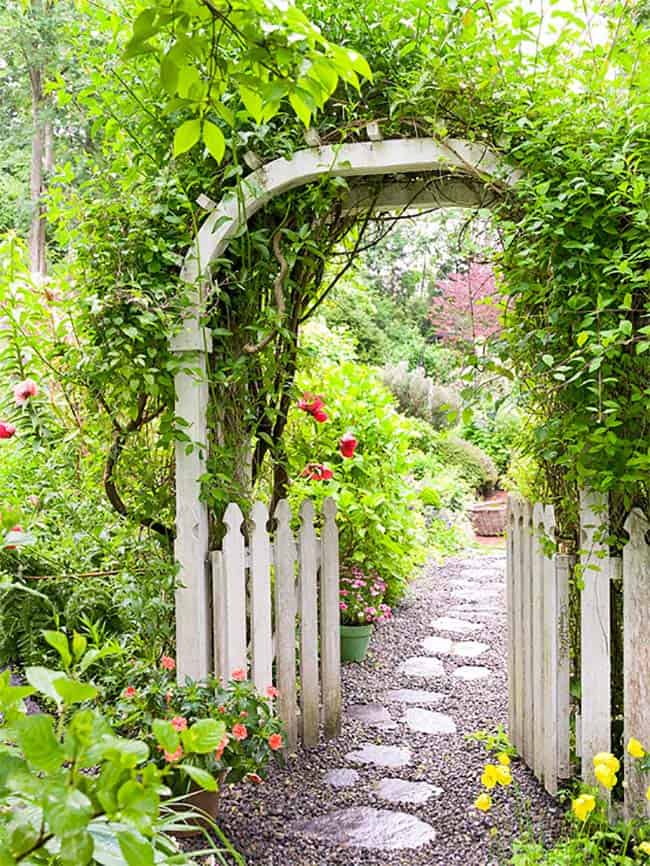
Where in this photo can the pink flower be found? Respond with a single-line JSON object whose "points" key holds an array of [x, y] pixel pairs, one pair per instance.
{"points": [[348, 444], [253, 777], [320, 415], [275, 742], [24, 390], [6, 430], [344, 592], [168, 663], [317, 472], [343, 606], [129, 692], [223, 742], [239, 731], [272, 692], [179, 723], [171, 757], [310, 404], [239, 675]]}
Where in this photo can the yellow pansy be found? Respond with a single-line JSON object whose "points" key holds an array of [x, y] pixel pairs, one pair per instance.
{"points": [[504, 776], [489, 777], [503, 758], [483, 802], [644, 847], [583, 806], [608, 760], [605, 776], [635, 748], [647, 794]]}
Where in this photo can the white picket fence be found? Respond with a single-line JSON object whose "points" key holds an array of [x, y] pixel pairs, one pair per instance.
{"points": [[276, 613], [539, 661]]}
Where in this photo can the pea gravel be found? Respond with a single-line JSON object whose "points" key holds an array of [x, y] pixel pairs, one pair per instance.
{"points": [[269, 823]]}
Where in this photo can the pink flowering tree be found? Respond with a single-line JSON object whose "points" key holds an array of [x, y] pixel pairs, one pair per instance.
{"points": [[467, 311]]}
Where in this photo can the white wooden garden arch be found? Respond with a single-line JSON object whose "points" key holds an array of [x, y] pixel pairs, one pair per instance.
{"points": [[424, 173]]}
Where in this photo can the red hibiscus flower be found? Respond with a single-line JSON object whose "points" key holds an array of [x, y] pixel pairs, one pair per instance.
{"points": [[348, 444], [272, 692], [179, 723], [171, 757], [239, 732], [275, 742], [320, 415], [6, 430], [317, 472], [24, 390], [239, 675], [313, 406], [168, 663], [129, 692]]}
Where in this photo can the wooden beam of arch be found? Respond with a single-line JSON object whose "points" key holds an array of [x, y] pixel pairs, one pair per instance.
{"points": [[456, 174]]}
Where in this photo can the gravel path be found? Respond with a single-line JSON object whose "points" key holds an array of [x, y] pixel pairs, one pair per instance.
{"points": [[299, 818]]}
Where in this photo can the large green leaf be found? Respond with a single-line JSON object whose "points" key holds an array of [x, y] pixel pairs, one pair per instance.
{"points": [[39, 743], [214, 140], [59, 641], [204, 736], [202, 778], [165, 735], [186, 136], [74, 692], [66, 810], [136, 849]]}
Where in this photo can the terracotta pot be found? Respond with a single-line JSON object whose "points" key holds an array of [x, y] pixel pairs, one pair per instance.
{"points": [[200, 801]]}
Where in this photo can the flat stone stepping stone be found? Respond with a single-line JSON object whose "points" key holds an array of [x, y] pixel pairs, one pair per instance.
{"points": [[429, 722], [381, 756], [469, 649], [363, 827], [469, 673], [450, 623], [343, 778], [477, 595], [483, 573], [422, 666], [371, 714], [401, 791], [413, 696], [437, 644]]}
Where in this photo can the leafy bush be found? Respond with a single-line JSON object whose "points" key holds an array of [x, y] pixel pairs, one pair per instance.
{"points": [[381, 528], [52, 809], [444, 450], [420, 397], [496, 434]]}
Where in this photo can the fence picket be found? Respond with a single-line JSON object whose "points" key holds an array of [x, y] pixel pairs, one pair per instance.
{"points": [[309, 684], [285, 621], [537, 639], [636, 656], [260, 588], [512, 585], [330, 628], [595, 633], [528, 728], [518, 625], [234, 592], [564, 566], [218, 615]]}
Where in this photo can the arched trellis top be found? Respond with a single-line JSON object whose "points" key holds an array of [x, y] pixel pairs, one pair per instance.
{"points": [[468, 162], [450, 173]]}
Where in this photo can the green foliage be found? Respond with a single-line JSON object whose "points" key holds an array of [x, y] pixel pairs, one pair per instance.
{"points": [[380, 527], [52, 810], [439, 450], [497, 434], [420, 397]]}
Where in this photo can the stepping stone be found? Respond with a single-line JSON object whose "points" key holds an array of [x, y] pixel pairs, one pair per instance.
{"points": [[429, 722], [468, 673], [450, 623], [371, 714], [437, 644], [363, 827], [477, 595], [343, 778], [401, 791], [422, 666], [483, 573], [380, 756], [413, 696], [469, 649]]}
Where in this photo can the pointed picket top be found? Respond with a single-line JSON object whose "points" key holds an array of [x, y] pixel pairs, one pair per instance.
{"points": [[307, 512], [538, 515], [636, 523], [282, 512], [329, 508], [233, 517], [259, 515], [549, 521]]}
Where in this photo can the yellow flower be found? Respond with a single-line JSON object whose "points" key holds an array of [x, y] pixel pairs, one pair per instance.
{"points": [[605, 776], [644, 847], [635, 748], [583, 806], [489, 777], [647, 794], [503, 758], [504, 776], [483, 802], [608, 760]]}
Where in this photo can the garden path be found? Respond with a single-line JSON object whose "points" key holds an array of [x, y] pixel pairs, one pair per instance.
{"points": [[397, 786]]}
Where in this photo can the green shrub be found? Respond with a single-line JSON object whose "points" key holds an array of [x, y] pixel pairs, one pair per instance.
{"points": [[420, 397], [381, 527], [446, 450]]}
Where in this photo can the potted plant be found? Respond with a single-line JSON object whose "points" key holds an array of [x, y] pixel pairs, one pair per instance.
{"points": [[361, 605], [253, 733]]}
